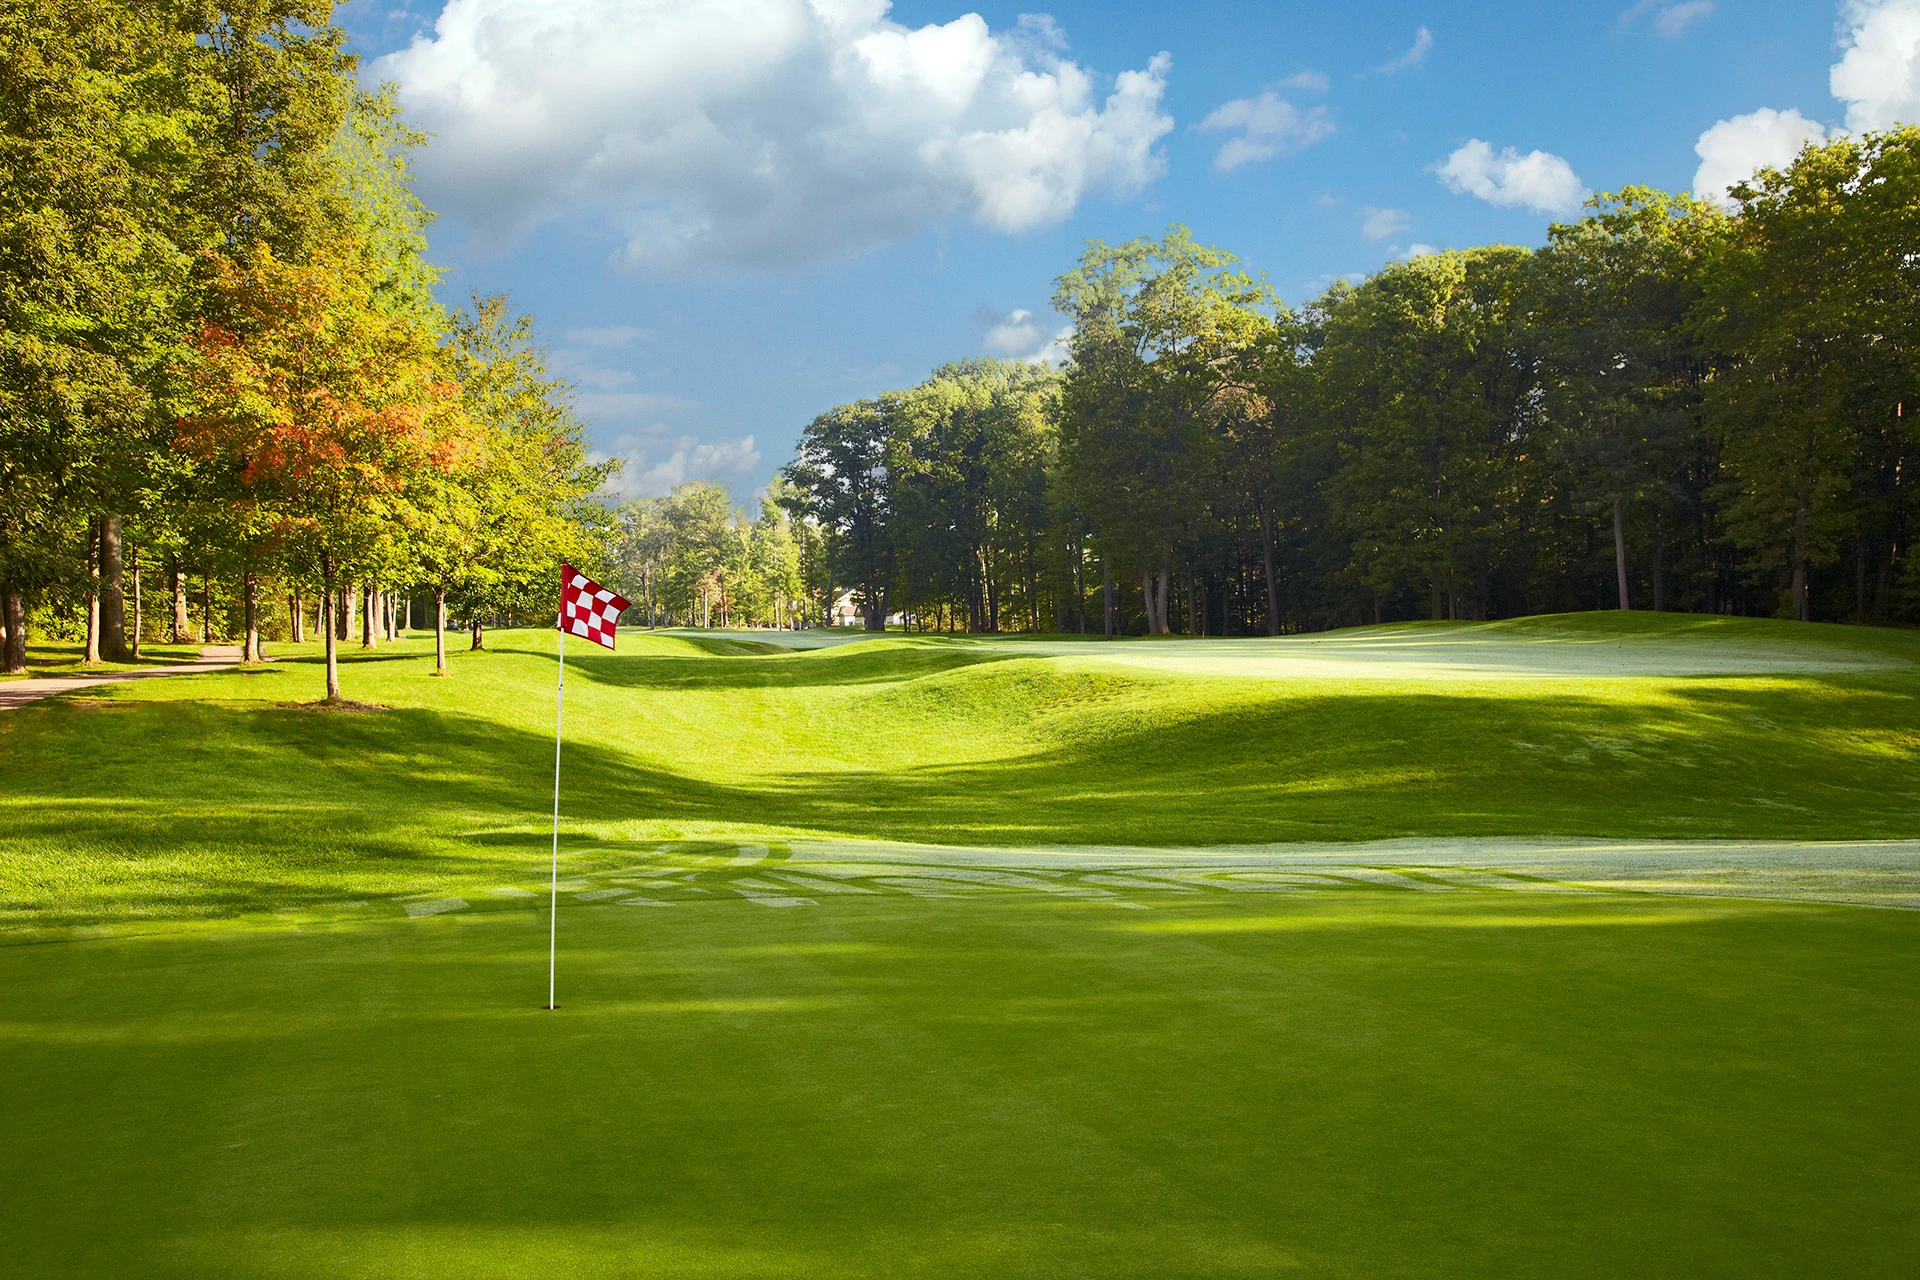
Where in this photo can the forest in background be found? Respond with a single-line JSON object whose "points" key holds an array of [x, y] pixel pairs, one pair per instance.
{"points": [[231, 406], [1671, 405]]}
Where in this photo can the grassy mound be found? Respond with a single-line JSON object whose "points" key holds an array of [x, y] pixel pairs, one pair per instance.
{"points": [[210, 795]]}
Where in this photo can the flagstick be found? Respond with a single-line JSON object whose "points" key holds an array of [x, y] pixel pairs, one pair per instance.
{"points": [[553, 907]]}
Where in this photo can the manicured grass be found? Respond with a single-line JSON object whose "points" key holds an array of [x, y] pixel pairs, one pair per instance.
{"points": [[782, 1053], [1338, 1084], [217, 794]]}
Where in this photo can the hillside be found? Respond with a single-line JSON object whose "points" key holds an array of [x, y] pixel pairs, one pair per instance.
{"points": [[226, 793]]}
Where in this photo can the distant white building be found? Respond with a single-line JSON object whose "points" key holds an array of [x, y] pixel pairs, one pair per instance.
{"points": [[847, 614]]}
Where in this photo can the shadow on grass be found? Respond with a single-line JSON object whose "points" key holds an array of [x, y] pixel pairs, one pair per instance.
{"points": [[214, 806], [1803, 759]]}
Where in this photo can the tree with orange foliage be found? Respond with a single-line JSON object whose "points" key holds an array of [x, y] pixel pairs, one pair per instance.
{"points": [[322, 407]]}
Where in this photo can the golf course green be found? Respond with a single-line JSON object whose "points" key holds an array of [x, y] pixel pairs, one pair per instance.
{"points": [[1577, 946]]}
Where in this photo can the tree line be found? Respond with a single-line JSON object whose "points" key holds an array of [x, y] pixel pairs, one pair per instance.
{"points": [[1671, 405], [221, 357], [694, 559]]}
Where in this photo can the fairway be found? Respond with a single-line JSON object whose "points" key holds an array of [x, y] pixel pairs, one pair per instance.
{"points": [[1569, 946]]}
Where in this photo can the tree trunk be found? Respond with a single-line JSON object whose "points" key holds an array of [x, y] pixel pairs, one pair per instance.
{"points": [[340, 605], [369, 613], [249, 589], [1860, 581], [1273, 594], [333, 639], [93, 593], [113, 597], [297, 614], [1160, 602], [479, 635], [439, 631], [1659, 573], [1106, 598], [206, 607], [1800, 610], [1620, 552], [1079, 588], [13, 655], [993, 592], [139, 617], [1883, 582], [182, 625]]}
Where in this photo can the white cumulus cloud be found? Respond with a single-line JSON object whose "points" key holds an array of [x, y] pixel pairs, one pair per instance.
{"points": [[763, 132], [1878, 76], [1733, 149], [1269, 125], [1020, 335], [1538, 180], [1382, 224], [656, 465]]}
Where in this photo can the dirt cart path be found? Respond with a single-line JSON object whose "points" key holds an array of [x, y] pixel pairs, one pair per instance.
{"points": [[17, 693]]}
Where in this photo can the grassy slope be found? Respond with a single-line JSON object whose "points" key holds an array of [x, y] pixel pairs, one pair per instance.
{"points": [[214, 794], [1339, 1084]]}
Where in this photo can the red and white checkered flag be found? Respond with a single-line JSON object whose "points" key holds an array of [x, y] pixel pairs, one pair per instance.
{"points": [[588, 609]]}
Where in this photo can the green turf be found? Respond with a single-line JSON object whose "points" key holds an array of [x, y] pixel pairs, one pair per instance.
{"points": [[1339, 1084], [788, 1050], [221, 793]]}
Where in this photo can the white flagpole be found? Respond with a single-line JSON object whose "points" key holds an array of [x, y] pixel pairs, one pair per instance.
{"points": [[553, 905]]}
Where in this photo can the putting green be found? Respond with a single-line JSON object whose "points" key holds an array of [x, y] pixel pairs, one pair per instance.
{"points": [[1551, 947]]}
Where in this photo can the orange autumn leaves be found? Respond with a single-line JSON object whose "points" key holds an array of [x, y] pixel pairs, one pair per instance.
{"points": [[326, 406]]}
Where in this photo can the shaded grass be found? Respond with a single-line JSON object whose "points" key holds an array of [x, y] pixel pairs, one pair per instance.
{"points": [[1334, 1085]]}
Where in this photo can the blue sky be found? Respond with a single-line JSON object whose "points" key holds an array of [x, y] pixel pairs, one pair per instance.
{"points": [[729, 215]]}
